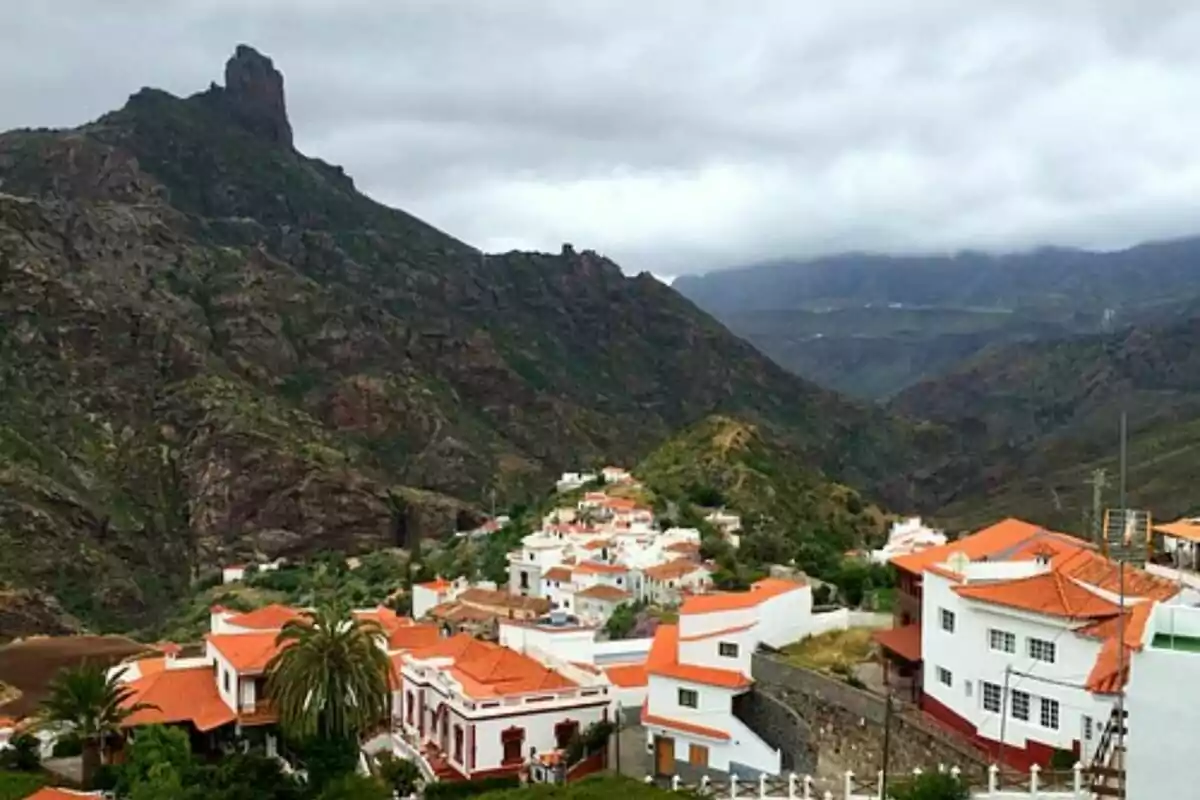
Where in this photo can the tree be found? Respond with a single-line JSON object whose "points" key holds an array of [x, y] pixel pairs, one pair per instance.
{"points": [[330, 678], [23, 754], [154, 748], [91, 704], [931, 786], [622, 621], [355, 787]]}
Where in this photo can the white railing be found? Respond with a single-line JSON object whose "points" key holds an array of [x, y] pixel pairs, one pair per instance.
{"points": [[402, 749], [805, 787]]}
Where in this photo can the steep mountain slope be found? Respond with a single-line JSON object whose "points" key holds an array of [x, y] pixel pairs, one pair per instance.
{"points": [[212, 346], [787, 510], [873, 325], [1039, 417]]}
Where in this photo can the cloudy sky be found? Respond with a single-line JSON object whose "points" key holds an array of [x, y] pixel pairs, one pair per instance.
{"points": [[687, 135]]}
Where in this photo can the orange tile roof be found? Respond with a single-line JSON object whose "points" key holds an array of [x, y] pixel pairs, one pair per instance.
{"points": [[904, 641], [588, 567], [672, 569], [557, 574], [1181, 529], [438, 585], [1105, 677], [248, 653], [602, 592], [180, 695], [627, 676], [683, 547], [663, 660], [412, 637], [54, 793], [1051, 593], [685, 727], [731, 601], [267, 618], [488, 670], [993, 540], [1091, 567]]}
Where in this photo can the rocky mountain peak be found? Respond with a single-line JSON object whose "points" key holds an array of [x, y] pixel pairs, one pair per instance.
{"points": [[254, 91]]}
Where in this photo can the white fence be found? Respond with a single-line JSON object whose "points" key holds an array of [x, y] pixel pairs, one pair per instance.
{"points": [[796, 787]]}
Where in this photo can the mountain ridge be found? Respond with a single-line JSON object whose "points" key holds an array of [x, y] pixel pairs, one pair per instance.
{"points": [[215, 348]]}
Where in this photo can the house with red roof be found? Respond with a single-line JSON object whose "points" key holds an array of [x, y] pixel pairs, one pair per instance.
{"points": [[1013, 635], [223, 689], [699, 668], [478, 709]]}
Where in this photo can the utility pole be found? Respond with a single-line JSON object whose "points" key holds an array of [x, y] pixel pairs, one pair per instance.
{"points": [[887, 742], [1003, 723], [1121, 624], [1098, 482]]}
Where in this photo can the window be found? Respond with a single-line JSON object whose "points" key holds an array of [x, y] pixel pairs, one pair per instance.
{"points": [[524, 580], [564, 732], [689, 698], [1020, 705], [1003, 641], [947, 620], [511, 739], [1041, 650], [697, 755], [1049, 713], [409, 705], [944, 677], [967, 687], [225, 677], [727, 649], [620, 581], [991, 697], [1088, 731], [458, 743]]}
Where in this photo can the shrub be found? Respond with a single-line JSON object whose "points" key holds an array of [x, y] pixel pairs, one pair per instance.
{"points": [[400, 774], [68, 746], [23, 754], [453, 790], [930, 786]]}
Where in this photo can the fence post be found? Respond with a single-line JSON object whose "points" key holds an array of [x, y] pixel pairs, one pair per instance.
{"points": [[762, 784], [732, 786], [1033, 780], [879, 786], [791, 786], [993, 778], [704, 781], [848, 784], [1078, 784], [649, 779], [955, 773], [808, 787], [674, 783], [828, 795]]}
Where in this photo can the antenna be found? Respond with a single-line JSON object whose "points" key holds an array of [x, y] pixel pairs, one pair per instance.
{"points": [[1098, 482]]}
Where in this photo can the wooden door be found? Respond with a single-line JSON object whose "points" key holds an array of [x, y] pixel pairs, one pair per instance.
{"points": [[664, 755], [698, 755]]}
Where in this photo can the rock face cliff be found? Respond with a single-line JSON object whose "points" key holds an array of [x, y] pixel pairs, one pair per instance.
{"points": [[213, 347]]}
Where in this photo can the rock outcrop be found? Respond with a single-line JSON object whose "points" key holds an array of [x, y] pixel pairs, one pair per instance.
{"points": [[254, 92]]}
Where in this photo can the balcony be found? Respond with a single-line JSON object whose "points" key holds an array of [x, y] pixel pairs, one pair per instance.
{"points": [[262, 712]]}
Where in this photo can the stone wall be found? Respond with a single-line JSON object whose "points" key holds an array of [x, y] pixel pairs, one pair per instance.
{"points": [[780, 727], [848, 724]]}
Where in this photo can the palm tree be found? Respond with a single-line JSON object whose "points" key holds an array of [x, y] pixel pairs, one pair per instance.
{"points": [[330, 678], [93, 705]]}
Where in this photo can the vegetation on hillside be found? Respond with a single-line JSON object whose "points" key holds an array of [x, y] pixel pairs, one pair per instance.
{"points": [[215, 349], [593, 787]]}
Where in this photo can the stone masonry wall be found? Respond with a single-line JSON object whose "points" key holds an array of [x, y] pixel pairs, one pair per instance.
{"points": [[780, 727], [848, 723]]}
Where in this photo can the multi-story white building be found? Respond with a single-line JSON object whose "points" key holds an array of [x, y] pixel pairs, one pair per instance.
{"points": [[570, 481], [479, 709], [699, 668], [1016, 635], [666, 584], [907, 536]]}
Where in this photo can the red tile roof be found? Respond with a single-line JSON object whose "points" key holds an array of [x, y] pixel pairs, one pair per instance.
{"points": [[248, 653], [731, 601], [672, 569], [904, 641], [488, 670], [557, 574], [598, 567], [663, 660], [439, 585], [180, 695], [412, 637], [1052, 594], [680, 725], [1105, 677], [713, 634], [54, 793], [267, 618]]}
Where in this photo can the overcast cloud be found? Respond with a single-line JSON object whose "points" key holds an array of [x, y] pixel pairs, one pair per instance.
{"points": [[686, 135]]}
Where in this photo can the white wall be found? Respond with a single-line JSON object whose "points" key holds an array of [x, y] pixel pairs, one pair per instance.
{"points": [[966, 653], [1164, 722], [224, 668], [539, 732], [786, 618], [568, 644], [423, 599], [706, 652]]}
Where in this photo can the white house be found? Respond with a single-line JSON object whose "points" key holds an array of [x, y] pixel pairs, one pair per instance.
{"points": [[666, 584], [570, 481], [1018, 647], [482, 709], [538, 552], [1163, 722], [698, 668], [908, 536]]}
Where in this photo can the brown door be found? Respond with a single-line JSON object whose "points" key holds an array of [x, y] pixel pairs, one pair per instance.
{"points": [[698, 755], [664, 755]]}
